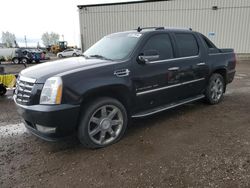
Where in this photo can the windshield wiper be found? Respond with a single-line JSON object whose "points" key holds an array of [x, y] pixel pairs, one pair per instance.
{"points": [[84, 56], [100, 57]]}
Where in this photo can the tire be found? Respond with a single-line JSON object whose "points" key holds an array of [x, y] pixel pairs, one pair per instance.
{"points": [[95, 129], [15, 60], [215, 89], [3, 90], [60, 56], [24, 60], [74, 55]]}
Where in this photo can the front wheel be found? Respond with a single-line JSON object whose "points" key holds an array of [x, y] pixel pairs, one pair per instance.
{"points": [[215, 89], [103, 123]]}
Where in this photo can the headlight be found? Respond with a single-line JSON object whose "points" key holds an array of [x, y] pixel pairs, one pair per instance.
{"points": [[52, 91]]}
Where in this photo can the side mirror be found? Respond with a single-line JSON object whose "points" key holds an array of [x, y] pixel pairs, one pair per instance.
{"points": [[148, 56]]}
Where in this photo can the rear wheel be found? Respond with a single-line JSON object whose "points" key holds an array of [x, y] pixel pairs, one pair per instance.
{"points": [[215, 89], [103, 122], [15, 60], [24, 60], [60, 56], [74, 54]]}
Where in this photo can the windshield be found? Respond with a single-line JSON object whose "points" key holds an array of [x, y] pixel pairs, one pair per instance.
{"points": [[115, 47]]}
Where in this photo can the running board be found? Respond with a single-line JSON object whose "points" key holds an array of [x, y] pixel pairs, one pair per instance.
{"points": [[166, 107]]}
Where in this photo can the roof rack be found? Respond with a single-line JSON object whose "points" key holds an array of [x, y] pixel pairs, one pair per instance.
{"points": [[139, 29], [179, 28]]}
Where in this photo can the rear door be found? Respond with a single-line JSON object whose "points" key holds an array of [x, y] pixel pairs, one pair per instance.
{"points": [[192, 65]]}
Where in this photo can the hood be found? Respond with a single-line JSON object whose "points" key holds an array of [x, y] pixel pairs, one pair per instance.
{"points": [[43, 71]]}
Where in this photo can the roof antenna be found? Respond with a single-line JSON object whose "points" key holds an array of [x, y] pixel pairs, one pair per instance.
{"points": [[139, 29]]}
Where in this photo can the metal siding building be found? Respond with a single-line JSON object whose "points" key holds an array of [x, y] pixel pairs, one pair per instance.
{"points": [[225, 22]]}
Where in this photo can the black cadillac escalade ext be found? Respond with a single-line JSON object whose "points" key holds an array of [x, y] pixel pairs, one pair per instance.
{"points": [[128, 74]]}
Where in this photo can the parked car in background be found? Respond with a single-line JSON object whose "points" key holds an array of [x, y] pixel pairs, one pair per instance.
{"points": [[39, 55], [69, 52]]}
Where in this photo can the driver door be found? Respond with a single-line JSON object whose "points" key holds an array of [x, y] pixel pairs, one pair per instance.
{"points": [[155, 81]]}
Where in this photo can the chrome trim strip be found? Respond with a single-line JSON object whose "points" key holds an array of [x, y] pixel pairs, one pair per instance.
{"points": [[200, 64], [25, 79], [25, 85], [174, 68], [174, 59], [24, 90], [167, 87], [169, 107]]}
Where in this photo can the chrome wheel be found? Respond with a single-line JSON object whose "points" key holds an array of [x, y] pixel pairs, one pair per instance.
{"points": [[105, 125], [216, 89]]}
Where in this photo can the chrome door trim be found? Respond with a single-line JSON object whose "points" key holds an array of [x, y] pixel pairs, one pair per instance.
{"points": [[173, 59], [168, 87]]}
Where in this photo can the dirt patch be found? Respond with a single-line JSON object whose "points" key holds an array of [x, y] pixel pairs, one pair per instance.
{"points": [[196, 145]]}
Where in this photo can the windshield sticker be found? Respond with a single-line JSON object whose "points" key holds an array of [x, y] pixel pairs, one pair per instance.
{"points": [[136, 35]]}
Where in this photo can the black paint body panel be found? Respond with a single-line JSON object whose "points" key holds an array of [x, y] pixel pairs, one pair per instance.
{"points": [[83, 77]]}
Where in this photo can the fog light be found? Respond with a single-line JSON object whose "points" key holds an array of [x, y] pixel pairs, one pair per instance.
{"points": [[45, 129]]}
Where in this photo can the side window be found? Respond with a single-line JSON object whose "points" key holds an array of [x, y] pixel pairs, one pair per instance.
{"points": [[211, 47], [160, 43], [187, 44], [208, 42]]}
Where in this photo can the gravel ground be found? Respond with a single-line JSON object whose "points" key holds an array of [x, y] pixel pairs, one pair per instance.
{"points": [[196, 145]]}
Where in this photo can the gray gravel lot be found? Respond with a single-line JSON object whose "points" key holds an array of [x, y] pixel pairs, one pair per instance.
{"points": [[196, 145]]}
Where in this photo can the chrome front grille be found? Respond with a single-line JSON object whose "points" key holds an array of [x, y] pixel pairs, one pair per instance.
{"points": [[23, 90]]}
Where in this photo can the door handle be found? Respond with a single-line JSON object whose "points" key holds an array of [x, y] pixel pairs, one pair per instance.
{"points": [[174, 68], [122, 73], [200, 64]]}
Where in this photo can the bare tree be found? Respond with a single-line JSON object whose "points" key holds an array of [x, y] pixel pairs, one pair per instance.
{"points": [[50, 38], [9, 39]]}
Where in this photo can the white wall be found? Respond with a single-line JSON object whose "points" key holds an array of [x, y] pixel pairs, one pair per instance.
{"points": [[230, 23]]}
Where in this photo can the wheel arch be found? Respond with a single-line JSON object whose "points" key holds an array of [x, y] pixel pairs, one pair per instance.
{"points": [[223, 72], [118, 92]]}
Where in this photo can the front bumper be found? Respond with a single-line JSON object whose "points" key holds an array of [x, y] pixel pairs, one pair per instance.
{"points": [[63, 118]]}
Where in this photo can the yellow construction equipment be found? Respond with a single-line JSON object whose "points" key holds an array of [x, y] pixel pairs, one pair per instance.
{"points": [[59, 47]]}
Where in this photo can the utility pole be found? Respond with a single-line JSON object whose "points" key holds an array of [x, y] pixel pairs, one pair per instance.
{"points": [[25, 40], [63, 37]]}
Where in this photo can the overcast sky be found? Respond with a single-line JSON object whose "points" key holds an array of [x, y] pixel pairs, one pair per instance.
{"points": [[34, 17]]}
